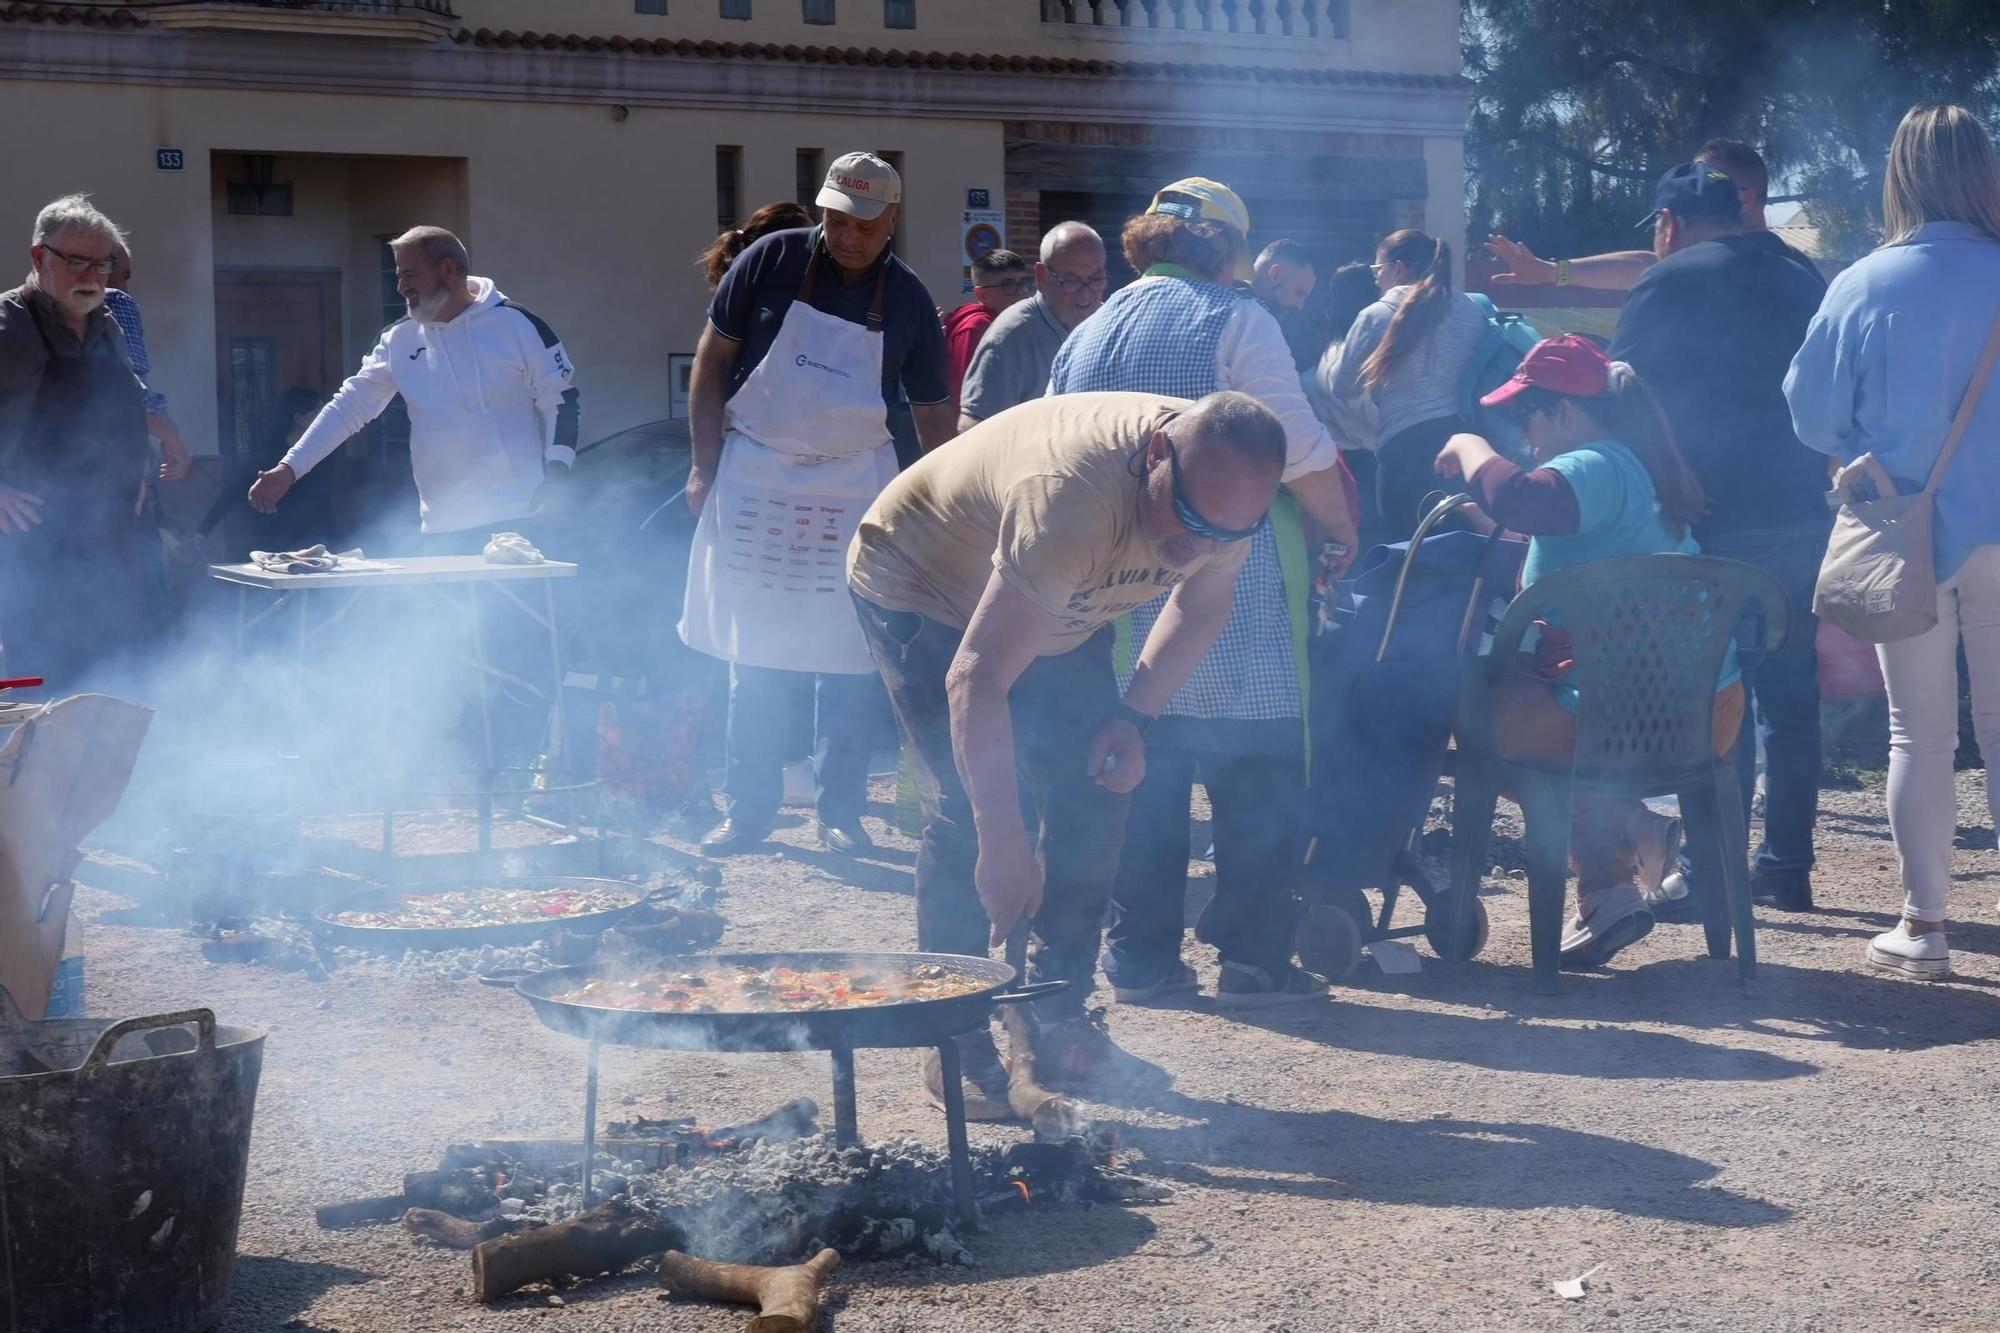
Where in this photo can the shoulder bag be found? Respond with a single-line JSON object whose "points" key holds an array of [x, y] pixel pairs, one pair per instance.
{"points": [[1878, 581]]}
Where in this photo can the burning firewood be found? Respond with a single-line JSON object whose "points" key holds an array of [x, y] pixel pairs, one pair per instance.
{"points": [[464, 1192], [605, 1239], [795, 1119], [787, 1299]]}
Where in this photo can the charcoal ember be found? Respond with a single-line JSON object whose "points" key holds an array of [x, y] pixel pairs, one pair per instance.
{"points": [[774, 1201], [265, 942]]}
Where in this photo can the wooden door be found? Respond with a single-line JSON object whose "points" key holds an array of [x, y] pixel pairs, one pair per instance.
{"points": [[274, 329]]}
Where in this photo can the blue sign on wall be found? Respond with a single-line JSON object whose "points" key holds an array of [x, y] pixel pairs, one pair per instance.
{"points": [[169, 159]]}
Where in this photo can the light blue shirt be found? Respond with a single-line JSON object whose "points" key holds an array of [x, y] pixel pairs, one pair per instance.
{"points": [[1886, 363], [1616, 510], [1618, 514]]}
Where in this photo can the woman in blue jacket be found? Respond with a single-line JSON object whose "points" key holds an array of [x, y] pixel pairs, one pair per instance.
{"points": [[1876, 385]]}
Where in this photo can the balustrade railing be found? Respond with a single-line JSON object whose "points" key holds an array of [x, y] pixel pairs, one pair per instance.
{"points": [[1267, 18], [375, 8]]}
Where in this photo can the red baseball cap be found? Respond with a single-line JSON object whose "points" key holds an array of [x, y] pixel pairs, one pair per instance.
{"points": [[1568, 364]]}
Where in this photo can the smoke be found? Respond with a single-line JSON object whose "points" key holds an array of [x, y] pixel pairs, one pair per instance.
{"points": [[327, 700]]}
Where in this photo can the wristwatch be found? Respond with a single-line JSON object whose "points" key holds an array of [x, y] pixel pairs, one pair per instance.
{"points": [[1562, 273], [1125, 712]]}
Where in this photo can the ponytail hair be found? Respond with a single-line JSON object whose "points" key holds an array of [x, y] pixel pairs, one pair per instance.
{"points": [[1424, 305], [1630, 413], [715, 260]]}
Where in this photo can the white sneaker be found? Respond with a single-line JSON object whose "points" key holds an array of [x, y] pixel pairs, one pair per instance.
{"points": [[1915, 955]]}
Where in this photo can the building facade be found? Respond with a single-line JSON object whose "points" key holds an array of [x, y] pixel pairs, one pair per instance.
{"points": [[261, 151]]}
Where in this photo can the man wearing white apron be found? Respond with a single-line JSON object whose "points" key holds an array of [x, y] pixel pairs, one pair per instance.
{"points": [[813, 337]]}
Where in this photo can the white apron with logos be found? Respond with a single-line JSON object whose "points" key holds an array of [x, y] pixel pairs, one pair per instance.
{"points": [[806, 450]]}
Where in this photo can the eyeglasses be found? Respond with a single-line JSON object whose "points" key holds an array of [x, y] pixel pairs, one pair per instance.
{"points": [[83, 263], [1011, 286], [1191, 518], [1521, 416], [1070, 284]]}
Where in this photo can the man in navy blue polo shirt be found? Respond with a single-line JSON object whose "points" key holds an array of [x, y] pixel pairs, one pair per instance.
{"points": [[1713, 327], [814, 337]]}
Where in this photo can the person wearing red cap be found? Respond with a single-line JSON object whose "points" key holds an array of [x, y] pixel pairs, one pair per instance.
{"points": [[1612, 483]]}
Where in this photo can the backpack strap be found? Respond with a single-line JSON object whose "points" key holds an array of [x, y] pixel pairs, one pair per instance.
{"points": [[1489, 345]]}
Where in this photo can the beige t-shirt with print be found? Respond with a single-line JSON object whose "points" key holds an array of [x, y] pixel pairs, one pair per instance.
{"points": [[1045, 493]]}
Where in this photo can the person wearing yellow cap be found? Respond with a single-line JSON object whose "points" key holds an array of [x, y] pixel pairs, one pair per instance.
{"points": [[1186, 330]]}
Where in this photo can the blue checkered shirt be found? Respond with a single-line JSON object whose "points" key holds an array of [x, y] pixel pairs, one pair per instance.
{"points": [[1160, 336], [125, 310]]}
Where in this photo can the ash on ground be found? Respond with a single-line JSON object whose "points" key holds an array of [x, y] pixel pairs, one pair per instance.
{"points": [[775, 1201]]}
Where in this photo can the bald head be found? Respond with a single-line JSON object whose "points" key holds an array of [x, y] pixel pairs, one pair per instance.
{"points": [[1071, 274], [1230, 452]]}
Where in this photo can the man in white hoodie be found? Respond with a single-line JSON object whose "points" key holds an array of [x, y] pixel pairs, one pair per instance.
{"points": [[491, 394]]}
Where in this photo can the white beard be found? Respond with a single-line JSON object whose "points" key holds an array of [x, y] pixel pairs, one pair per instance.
{"points": [[80, 305], [426, 310]]}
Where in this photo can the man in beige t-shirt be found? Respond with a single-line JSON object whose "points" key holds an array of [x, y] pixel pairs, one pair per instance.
{"points": [[986, 576]]}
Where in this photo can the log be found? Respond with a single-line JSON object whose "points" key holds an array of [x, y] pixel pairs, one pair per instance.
{"points": [[604, 1239], [787, 1299], [795, 1119], [457, 1232], [445, 1229], [1054, 1116], [384, 1208], [466, 1192]]}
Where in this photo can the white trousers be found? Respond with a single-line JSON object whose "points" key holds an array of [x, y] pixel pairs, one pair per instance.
{"points": [[1922, 676]]}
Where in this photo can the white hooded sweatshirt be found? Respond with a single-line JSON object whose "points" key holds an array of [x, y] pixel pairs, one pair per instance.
{"points": [[492, 400]]}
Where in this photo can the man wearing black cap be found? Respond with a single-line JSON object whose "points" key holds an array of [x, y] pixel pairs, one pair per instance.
{"points": [[1713, 327]]}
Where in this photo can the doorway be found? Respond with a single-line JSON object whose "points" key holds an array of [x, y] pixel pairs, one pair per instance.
{"points": [[274, 330]]}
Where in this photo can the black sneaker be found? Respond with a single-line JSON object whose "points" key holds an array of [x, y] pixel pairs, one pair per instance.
{"points": [[1179, 980], [1786, 890], [1244, 986], [731, 836], [849, 838]]}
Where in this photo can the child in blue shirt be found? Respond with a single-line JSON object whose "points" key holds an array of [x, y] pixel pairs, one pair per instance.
{"points": [[1612, 483]]}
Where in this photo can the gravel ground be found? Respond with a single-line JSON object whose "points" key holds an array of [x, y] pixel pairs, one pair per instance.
{"points": [[1424, 1151]]}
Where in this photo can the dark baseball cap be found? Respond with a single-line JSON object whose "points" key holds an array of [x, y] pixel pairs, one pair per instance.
{"points": [[1696, 191]]}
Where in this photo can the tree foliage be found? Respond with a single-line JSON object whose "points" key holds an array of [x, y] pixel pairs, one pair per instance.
{"points": [[1581, 104]]}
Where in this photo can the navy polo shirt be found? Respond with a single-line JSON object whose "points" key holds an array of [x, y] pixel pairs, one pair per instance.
{"points": [[1713, 330], [760, 286]]}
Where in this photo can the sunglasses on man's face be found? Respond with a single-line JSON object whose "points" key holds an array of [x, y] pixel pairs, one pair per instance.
{"points": [[1191, 518]]}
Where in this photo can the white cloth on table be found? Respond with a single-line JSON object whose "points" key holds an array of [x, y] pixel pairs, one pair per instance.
{"points": [[511, 548], [316, 560]]}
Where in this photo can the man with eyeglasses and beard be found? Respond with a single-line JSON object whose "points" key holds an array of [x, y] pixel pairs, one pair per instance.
{"points": [[493, 410], [492, 398], [73, 456], [1011, 364], [987, 578]]}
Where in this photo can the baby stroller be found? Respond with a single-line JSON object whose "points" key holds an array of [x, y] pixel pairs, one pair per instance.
{"points": [[1385, 680]]}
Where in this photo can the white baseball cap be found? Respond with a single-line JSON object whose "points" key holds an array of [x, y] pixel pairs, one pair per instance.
{"points": [[862, 185]]}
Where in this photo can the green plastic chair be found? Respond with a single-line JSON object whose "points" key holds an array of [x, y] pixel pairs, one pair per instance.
{"points": [[1649, 635]]}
